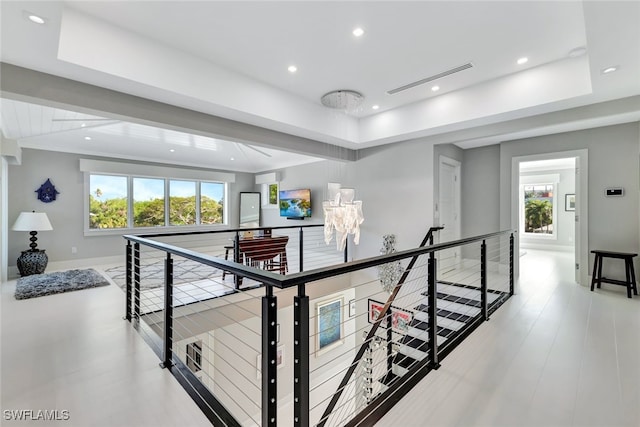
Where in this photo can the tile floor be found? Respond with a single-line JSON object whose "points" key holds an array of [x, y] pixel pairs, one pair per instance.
{"points": [[555, 354]]}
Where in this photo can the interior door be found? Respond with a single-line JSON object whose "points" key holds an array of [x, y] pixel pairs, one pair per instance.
{"points": [[449, 212]]}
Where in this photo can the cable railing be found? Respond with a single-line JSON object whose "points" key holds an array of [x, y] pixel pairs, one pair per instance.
{"points": [[317, 341]]}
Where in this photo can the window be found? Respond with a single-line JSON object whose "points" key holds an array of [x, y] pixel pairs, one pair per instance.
{"points": [[108, 206], [124, 201], [194, 356], [211, 203], [182, 202], [148, 202], [539, 208]]}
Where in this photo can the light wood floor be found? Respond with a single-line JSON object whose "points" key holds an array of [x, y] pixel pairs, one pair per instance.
{"points": [[556, 354]]}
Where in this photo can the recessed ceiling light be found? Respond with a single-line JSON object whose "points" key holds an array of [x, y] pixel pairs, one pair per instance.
{"points": [[231, 158], [36, 19], [578, 51], [523, 61], [435, 88], [87, 138], [358, 32], [172, 150], [375, 107], [83, 125], [609, 70], [292, 68]]}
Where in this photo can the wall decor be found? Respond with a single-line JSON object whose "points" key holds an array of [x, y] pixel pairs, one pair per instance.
{"points": [[569, 202], [273, 195], [47, 192], [329, 324], [400, 319]]}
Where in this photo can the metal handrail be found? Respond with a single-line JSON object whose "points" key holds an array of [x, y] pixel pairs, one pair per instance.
{"points": [[295, 279]]}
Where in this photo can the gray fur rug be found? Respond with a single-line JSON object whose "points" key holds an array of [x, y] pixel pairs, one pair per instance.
{"points": [[39, 285]]}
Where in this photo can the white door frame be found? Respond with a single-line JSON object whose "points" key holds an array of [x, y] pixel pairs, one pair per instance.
{"points": [[582, 203]]}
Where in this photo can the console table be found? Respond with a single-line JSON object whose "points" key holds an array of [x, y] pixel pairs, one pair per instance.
{"points": [[629, 283]]}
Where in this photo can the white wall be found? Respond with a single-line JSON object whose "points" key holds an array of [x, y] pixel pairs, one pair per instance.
{"points": [[67, 212]]}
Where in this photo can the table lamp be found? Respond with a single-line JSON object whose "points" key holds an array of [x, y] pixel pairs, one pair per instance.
{"points": [[34, 260]]}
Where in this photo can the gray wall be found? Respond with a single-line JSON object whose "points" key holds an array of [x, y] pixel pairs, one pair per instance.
{"points": [[394, 182], [480, 195], [613, 161], [566, 225], [396, 185], [66, 213]]}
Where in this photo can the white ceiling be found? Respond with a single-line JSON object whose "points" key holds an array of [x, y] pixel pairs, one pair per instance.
{"points": [[230, 59]]}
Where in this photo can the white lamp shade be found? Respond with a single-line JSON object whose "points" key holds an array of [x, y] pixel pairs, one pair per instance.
{"points": [[32, 221]]}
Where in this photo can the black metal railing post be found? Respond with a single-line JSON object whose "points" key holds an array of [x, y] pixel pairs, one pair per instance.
{"points": [[236, 258], [128, 281], [168, 312], [269, 358], [511, 281], [301, 358], [389, 341], [346, 251], [136, 280], [301, 250], [433, 311], [483, 281]]}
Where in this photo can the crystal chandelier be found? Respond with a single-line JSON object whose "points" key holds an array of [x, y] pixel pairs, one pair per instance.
{"points": [[342, 214]]}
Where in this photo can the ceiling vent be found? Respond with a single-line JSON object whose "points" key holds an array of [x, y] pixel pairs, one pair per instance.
{"points": [[432, 78]]}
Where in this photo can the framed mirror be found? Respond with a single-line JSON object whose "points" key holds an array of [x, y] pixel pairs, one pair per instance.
{"points": [[249, 210]]}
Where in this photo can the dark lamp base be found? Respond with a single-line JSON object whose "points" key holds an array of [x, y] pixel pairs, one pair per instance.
{"points": [[32, 262]]}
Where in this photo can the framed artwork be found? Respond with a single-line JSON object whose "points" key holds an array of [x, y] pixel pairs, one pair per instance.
{"points": [[569, 202], [329, 324], [400, 319], [279, 361], [374, 310], [273, 195]]}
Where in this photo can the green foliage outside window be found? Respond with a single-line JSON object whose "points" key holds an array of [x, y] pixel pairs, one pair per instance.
{"points": [[110, 213], [538, 216]]}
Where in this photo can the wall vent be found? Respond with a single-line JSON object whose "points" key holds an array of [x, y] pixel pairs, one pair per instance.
{"points": [[431, 78]]}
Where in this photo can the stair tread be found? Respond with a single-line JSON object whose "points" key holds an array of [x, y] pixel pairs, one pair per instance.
{"points": [[464, 318], [404, 361], [389, 378], [416, 343], [424, 326]]}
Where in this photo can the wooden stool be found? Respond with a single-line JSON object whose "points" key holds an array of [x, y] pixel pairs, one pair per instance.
{"points": [[630, 283]]}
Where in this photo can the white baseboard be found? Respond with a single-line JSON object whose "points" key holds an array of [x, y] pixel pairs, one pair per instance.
{"points": [[542, 246]]}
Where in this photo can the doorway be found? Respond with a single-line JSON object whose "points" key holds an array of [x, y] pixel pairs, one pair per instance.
{"points": [[448, 210], [549, 205]]}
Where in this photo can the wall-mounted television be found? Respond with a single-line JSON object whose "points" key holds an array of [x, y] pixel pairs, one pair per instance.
{"points": [[295, 203]]}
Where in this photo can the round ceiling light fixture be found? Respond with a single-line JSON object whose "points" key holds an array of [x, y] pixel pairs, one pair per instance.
{"points": [[347, 100]]}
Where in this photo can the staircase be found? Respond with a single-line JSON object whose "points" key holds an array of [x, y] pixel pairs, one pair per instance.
{"points": [[457, 306]]}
